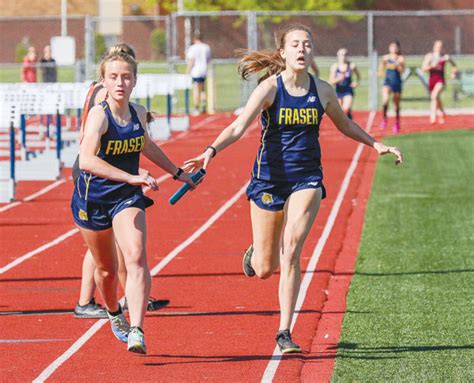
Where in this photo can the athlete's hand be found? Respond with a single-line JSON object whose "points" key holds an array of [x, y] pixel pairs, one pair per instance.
{"points": [[144, 178], [198, 162], [354, 84], [383, 149], [186, 177]]}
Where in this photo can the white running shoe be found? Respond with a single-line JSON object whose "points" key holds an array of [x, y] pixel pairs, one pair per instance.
{"points": [[120, 327], [136, 341]]}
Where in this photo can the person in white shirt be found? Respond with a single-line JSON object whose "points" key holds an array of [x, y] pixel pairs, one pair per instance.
{"points": [[198, 57]]}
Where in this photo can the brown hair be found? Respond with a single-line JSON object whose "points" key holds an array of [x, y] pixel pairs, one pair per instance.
{"points": [[254, 61], [118, 57]]}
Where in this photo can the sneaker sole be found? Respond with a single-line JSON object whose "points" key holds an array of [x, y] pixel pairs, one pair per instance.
{"points": [[85, 316], [290, 350], [137, 349], [244, 259], [157, 305]]}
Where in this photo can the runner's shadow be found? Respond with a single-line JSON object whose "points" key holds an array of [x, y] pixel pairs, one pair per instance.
{"points": [[40, 279], [35, 312], [239, 313], [198, 359]]}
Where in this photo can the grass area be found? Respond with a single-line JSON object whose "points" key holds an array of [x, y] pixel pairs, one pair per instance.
{"points": [[409, 308], [230, 92]]}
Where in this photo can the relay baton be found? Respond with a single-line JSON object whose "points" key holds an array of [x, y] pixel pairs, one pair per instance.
{"points": [[183, 189]]}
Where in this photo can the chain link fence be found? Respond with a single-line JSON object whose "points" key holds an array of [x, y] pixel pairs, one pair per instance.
{"points": [[161, 42]]}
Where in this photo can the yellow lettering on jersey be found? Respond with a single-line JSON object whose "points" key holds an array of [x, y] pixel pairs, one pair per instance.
{"points": [[125, 146], [130, 145], [109, 146], [117, 147], [298, 116], [288, 116], [281, 114], [303, 117]]}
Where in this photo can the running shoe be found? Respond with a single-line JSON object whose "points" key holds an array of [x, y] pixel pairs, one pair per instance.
{"points": [[383, 124], [153, 304], [283, 339], [396, 127], [442, 119], [246, 264], [136, 341], [90, 310], [120, 327]]}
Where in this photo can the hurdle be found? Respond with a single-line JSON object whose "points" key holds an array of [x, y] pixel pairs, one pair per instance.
{"points": [[38, 161], [8, 116], [150, 85]]}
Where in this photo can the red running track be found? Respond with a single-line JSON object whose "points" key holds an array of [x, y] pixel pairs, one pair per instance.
{"points": [[220, 325]]}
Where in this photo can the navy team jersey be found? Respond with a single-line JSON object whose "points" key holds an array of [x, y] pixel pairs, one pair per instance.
{"points": [[344, 87], [120, 146], [392, 75], [290, 150]]}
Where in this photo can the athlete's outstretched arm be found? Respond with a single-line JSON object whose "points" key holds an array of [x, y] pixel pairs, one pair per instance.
{"points": [[261, 98], [382, 66], [96, 127], [401, 64], [455, 69], [333, 79], [154, 153], [426, 63], [355, 69], [349, 127]]}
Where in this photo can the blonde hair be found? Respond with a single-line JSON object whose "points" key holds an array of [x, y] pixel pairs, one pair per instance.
{"points": [[118, 57], [254, 61], [121, 48]]}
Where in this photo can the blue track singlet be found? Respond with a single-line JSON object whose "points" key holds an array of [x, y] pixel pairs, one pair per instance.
{"points": [[392, 75], [120, 146], [290, 150], [343, 88]]}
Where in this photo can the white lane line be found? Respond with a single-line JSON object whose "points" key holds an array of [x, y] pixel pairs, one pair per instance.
{"points": [[32, 340], [272, 366], [48, 371], [34, 195], [56, 241], [40, 249]]}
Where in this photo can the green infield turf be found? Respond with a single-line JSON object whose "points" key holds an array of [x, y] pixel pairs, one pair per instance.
{"points": [[410, 305]]}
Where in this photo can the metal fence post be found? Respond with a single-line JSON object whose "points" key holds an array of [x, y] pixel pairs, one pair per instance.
{"points": [[174, 35], [168, 38], [370, 34], [252, 31], [89, 48], [373, 82]]}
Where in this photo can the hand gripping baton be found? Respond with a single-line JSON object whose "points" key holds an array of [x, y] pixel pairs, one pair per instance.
{"points": [[183, 189]]}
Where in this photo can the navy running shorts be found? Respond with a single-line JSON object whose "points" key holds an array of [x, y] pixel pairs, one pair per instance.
{"points": [[395, 86], [99, 216], [199, 80], [345, 93], [269, 195]]}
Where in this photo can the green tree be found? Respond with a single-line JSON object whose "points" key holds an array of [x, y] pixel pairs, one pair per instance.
{"points": [[100, 46], [263, 5], [21, 50], [158, 42]]}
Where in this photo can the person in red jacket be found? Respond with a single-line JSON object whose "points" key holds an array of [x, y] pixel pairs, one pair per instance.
{"points": [[28, 70]]}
